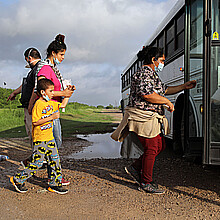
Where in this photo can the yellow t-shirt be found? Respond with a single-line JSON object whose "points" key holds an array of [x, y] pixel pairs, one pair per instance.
{"points": [[41, 109]]}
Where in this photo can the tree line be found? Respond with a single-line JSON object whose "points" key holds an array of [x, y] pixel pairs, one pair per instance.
{"points": [[4, 93]]}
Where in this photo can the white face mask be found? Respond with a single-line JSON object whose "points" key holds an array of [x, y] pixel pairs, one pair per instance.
{"points": [[46, 98], [56, 61], [159, 68], [28, 65]]}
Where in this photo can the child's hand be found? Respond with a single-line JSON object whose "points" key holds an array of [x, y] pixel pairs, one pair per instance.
{"points": [[68, 92], [55, 115], [73, 88], [69, 87]]}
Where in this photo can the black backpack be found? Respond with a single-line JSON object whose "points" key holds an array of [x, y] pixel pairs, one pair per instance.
{"points": [[27, 87]]}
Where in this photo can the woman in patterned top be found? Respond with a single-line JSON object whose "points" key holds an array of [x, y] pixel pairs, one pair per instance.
{"points": [[147, 95]]}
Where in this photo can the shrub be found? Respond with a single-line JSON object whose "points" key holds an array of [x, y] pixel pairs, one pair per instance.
{"points": [[100, 106], [110, 106]]}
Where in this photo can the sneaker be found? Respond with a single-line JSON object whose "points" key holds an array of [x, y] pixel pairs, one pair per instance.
{"points": [[65, 182], [134, 174], [25, 163], [154, 184], [58, 189], [19, 187], [149, 188]]}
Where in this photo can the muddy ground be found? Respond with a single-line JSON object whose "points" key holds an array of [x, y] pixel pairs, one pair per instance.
{"points": [[100, 188]]}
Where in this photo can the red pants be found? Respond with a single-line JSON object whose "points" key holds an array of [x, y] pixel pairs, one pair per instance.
{"points": [[145, 163]]}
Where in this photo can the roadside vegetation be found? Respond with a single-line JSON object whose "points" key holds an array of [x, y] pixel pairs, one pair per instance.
{"points": [[78, 118]]}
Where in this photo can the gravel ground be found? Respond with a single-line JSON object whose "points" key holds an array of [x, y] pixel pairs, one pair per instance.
{"points": [[100, 188]]}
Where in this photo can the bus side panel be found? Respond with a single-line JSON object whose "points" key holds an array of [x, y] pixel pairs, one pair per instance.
{"points": [[125, 96], [131, 146], [214, 156]]}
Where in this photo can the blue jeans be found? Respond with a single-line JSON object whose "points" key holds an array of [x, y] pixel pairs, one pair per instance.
{"points": [[57, 132], [58, 139]]}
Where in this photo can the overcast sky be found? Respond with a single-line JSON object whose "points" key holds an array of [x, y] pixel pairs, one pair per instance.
{"points": [[102, 36]]}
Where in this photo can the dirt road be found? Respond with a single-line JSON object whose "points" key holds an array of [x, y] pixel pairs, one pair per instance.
{"points": [[100, 189]]}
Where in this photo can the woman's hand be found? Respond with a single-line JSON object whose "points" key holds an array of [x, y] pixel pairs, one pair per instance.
{"points": [[175, 89], [157, 99], [190, 84], [169, 106]]}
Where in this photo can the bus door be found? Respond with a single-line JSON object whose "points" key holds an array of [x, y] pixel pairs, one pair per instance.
{"points": [[212, 83], [193, 141]]}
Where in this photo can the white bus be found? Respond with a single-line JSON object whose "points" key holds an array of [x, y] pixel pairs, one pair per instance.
{"points": [[189, 36]]}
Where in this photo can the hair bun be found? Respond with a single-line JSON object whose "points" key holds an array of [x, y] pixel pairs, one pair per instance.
{"points": [[142, 53], [60, 38]]}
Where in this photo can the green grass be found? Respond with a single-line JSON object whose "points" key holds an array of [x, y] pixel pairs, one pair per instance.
{"points": [[12, 123], [74, 121], [85, 121], [11, 117]]}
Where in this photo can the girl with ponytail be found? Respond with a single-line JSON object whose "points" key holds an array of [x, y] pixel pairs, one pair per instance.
{"points": [[48, 69]]}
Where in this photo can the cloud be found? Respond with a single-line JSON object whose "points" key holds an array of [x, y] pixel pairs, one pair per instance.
{"points": [[95, 83], [100, 34]]}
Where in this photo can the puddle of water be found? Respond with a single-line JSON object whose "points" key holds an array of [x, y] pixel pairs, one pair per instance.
{"points": [[102, 147]]}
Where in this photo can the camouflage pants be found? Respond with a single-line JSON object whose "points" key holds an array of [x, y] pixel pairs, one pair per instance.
{"points": [[47, 150]]}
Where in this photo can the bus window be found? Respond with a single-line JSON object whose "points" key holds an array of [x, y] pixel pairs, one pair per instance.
{"points": [[180, 24], [132, 70], [170, 49], [170, 41], [196, 26], [129, 77], [161, 41], [216, 19], [180, 41], [180, 32], [218, 76], [196, 64], [154, 44], [123, 81]]}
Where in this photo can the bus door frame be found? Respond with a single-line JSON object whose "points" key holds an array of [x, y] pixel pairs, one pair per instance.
{"points": [[206, 79], [208, 44]]}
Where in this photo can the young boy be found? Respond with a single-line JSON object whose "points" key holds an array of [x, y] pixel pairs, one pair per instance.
{"points": [[43, 113]]}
